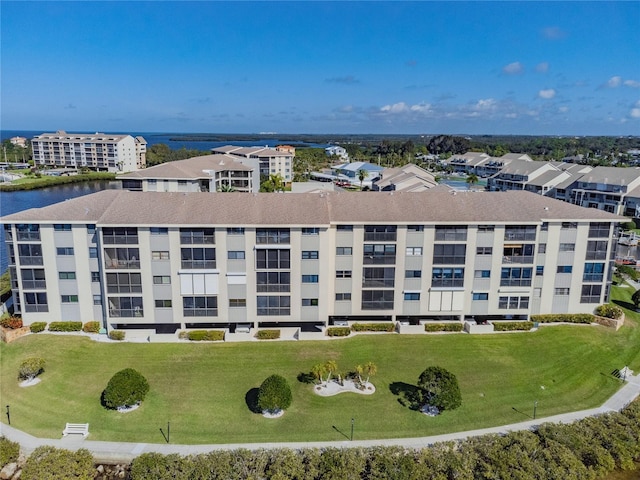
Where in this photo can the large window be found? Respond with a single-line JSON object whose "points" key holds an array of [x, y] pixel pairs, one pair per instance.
{"points": [[120, 235], [379, 254], [516, 277], [520, 232], [33, 278], [449, 254], [35, 302], [122, 258], [198, 257], [373, 277], [197, 236], [451, 233], [273, 281], [30, 254], [126, 307], [310, 231], [266, 258], [235, 231], [593, 272], [599, 230], [124, 283], [518, 253], [377, 299], [273, 236], [447, 277], [200, 306], [380, 233], [596, 250], [272, 305], [591, 294], [27, 232]]}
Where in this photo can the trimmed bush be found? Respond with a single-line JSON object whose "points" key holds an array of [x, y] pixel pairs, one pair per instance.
{"points": [[512, 326], [609, 311], [11, 322], [338, 331], [274, 394], [563, 317], [439, 387], [31, 368], [267, 334], [373, 327], [205, 335], [50, 463], [9, 451], [183, 335], [37, 327], [91, 327], [65, 326], [126, 388], [117, 334], [443, 327]]}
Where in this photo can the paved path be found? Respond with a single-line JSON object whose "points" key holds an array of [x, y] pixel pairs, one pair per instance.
{"points": [[125, 452]]}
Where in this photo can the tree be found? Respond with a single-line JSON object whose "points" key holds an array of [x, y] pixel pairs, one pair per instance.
{"points": [[370, 369], [331, 367], [359, 371], [439, 387], [472, 179], [635, 298], [274, 183], [126, 388], [226, 188], [362, 174], [318, 371], [274, 394]]}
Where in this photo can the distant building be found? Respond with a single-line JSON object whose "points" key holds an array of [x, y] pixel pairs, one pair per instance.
{"points": [[286, 148], [99, 151], [350, 171], [408, 178], [337, 151], [19, 141], [267, 161]]}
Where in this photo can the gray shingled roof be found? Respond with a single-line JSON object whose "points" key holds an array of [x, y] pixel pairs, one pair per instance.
{"points": [[612, 175], [190, 168], [121, 207]]}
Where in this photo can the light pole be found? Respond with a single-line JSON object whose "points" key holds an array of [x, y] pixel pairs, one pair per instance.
{"points": [[8, 416], [352, 422], [535, 405]]}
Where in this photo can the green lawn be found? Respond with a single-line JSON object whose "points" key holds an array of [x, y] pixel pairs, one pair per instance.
{"points": [[201, 388]]}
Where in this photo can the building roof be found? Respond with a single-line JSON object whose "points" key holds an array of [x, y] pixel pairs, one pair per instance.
{"points": [[409, 177], [551, 177], [190, 168], [251, 151], [438, 205], [523, 167], [612, 175], [355, 166], [85, 137]]}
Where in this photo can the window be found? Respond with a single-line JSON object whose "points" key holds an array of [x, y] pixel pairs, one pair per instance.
{"points": [[344, 251], [415, 228], [343, 273], [33, 278], [482, 274], [62, 227], [567, 247], [273, 281], [485, 228], [310, 231], [35, 302], [564, 269], [376, 277], [200, 306], [593, 272], [198, 258], [520, 232], [596, 250], [93, 252], [159, 231], [484, 250], [28, 231], [377, 299], [273, 236], [561, 291], [451, 233], [599, 230], [591, 293], [163, 303], [95, 276], [449, 254], [69, 298], [569, 225], [161, 280], [309, 302], [542, 248], [91, 228], [120, 235], [344, 228], [539, 269], [67, 275], [480, 296], [380, 233], [412, 273], [412, 296], [237, 302], [379, 253], [235, 231], [513, 303], [544, 227], [124, 283], [343, 297], [271, 305], [235, 255], [447, 277], [121, 258], [413, 251], [515, 277], [62, 251], [97, 299], [191, 236], [310, 255], [159, 255], [272, 258], [309, 278]]}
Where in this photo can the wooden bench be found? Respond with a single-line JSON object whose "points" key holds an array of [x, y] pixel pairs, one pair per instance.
{"points": [[81, 428]]}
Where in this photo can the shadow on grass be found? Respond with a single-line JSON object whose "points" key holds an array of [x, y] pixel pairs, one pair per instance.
{"points": [[251, 399], [627, 305], [306, 377], [408, 395], [522, 413], [340, 432]]}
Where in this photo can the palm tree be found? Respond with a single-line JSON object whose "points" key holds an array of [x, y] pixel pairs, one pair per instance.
{"points": [[370, 369], [362, 174], [472, 179], [331, 367], [226, 187], [318, 371], [359, 370]]}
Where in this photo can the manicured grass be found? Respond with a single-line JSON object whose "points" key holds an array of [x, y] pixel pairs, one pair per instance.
{"points": [[201, 388]]}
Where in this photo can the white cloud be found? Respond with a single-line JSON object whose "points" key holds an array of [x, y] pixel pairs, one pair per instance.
{"points": [[421, 108], [632, 83], [485, 104], [403, 108], [515, 68], [635, 112], [614, 82], [553, 33], [399, 107], [542, 67], [563, 109], [547, 93]]}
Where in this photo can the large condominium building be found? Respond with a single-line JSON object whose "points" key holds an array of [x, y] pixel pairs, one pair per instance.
{"points": [[99, 151], [268, 161], [165, 261]]}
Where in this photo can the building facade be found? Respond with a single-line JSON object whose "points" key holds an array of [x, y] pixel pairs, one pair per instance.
{"points": [[268, 161], [160, 262], [99, 151]]}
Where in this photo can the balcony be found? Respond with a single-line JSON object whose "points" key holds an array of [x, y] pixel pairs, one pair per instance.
{"points": [[508, 259], [36, 260]]}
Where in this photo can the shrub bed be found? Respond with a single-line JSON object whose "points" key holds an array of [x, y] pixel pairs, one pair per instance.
{"points": [[563, 317], [31, 368], [443, 327], [48, 463], [9, 451], [117, 334], [609, 311], [338, 331], [512, 326], [11, 322], [37, 327], [205, 335], [373, 327], [267, 334], [65, 326], [91, 327]]}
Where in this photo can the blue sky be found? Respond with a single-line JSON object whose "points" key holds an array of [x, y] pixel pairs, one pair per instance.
{"points": [[552, 68]]}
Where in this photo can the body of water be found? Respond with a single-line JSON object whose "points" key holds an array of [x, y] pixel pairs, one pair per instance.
{"points": [[12, 202]]}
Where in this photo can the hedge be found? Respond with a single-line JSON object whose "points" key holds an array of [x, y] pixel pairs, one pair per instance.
{"points": [[205, 335], [37, 327], [9, 451], [91, 327], [267, 334], [563, 317], [65, 326], [512, 326], [443, 327], [373, 327], [117, 334], [609, 311], [338, 331], [50, 463]]}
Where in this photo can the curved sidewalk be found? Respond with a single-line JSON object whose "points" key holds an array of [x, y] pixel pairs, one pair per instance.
{"points": [[109, 452]]}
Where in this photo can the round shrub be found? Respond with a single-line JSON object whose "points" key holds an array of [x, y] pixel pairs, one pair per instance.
{"points": [[31, 368], [50, 463], [37, 327], [274, 394], [91, 327], [117, 334], [439, 387], [126, 388]]}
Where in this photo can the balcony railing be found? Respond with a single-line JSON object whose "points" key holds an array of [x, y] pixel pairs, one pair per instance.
{"points": [[518, 259], [198, 264], [110, 264], [33, 284], [30, 260]]}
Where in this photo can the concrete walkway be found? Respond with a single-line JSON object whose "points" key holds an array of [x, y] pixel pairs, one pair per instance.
{"points": [[125, 452]]}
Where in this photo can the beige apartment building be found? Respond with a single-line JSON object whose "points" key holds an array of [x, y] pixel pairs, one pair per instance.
{"points": [[159, 262]]}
